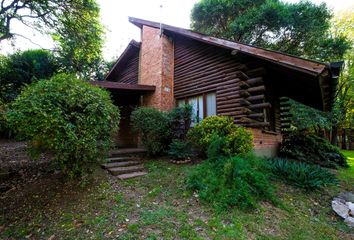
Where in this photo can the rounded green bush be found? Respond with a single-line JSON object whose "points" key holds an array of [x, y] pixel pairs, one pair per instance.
{"points": [[237, 139], [67, 117], [153, 127]]}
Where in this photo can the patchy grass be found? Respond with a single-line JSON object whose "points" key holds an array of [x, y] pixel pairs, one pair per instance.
{"points": [[347, 174], [157, 206]]}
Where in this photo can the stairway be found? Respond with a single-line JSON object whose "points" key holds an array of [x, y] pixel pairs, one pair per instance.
{"points": [[126, 163]]}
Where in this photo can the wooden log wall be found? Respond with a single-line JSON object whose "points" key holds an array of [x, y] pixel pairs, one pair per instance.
{"points": [[285, 115], [238, 81], [129, 71]]}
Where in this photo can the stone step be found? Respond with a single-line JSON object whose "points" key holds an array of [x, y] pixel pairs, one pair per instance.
{"points": [[124, 170], [131, 175], [120, 164], [127, 152], [122, 159]]}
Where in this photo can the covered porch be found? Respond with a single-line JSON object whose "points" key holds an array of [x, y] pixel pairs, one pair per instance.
{"points": [[127, 97]]}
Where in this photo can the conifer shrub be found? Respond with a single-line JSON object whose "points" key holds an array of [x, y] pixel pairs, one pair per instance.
{"points": [[224, 182], [312, 149], [67, 117]]}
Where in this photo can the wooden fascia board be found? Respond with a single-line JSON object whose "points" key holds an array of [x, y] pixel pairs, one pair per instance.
{"points": [[123, 86]]}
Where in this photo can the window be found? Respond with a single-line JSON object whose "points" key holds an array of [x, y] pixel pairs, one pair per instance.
{"points": [[210, 104], [199, 110], [197, 105]]}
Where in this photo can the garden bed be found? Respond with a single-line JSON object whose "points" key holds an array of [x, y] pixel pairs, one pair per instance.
{"points": [[158, 206]]}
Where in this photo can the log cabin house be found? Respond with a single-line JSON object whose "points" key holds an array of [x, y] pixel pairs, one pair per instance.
{"points": [[172, 66]]}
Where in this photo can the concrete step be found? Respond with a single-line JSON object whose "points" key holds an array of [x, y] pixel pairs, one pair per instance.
{"points": [[127, 152], [131, 175], [122, 159], [120, 164], [124, 170]]}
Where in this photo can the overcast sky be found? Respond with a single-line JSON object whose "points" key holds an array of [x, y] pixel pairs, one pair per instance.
{"points": [[114, 16]]}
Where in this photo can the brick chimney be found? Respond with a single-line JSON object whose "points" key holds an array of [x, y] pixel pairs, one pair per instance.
{"points": [[156, 68]]}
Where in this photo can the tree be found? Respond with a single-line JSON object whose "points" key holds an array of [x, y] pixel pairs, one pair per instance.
{"points": [[300, 29], [67, 117], [22, 68], [74, 25], [343, 112]]}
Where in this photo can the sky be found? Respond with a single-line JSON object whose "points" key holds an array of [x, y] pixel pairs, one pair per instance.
{"points": [[114, 17]]}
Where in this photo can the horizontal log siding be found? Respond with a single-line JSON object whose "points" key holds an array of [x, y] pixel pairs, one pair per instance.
{"points": [[236, 80], [129, 72]]}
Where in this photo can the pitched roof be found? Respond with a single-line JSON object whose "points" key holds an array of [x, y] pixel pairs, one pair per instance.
{"points": [[327, 73], [310, 66]]}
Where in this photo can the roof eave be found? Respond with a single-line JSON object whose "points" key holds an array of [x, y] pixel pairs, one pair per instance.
{"points": [[308, 66]]}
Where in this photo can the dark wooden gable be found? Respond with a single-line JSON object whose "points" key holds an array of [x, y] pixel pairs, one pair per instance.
{"points": [[126, 69]]}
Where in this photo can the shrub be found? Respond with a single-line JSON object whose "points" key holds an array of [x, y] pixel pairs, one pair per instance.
{"points": [[68, 117], [228, 182], [312, 149], [301, 175], [180, 121], [157, 129], [179, 150], [153, 127], [237, 139], [2, 116]]}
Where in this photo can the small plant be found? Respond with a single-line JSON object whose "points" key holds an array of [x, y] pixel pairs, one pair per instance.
{"points": [[157, 129], [302, 175], [153, 127], [180, 150], [180, 121], [231, 182], [237, 139], [313, 150], [67, 117]]}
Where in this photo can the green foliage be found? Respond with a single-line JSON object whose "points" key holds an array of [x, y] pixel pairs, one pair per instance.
{"points": [[67, 117], [80, 39], [237, 139], [153, 127], [231, 182], [74, 26], [23, 68], [302, 175], [312, 149], [296, 28], [305, 117], [180, 150], [3, 122], [157, 129], [180, 121]]}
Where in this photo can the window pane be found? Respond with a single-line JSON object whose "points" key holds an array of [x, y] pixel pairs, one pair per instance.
{"points": [[194, 103], [200, 108], [211, 104]]}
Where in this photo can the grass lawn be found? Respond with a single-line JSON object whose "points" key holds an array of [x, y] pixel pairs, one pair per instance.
{"points": [[157, 206], [347, 175]]}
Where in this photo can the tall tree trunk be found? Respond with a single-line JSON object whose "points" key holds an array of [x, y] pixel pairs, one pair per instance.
{"points": [[344, 142], [334, 135]]}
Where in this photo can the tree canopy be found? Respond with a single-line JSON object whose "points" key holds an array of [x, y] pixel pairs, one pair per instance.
{"points": [[22, 68], [300, 28], [74, 26]]}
